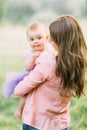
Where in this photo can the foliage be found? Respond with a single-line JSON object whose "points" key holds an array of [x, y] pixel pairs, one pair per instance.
{"points": [[43, 16], [19, 11], [59, 7], [22, 11], [2, 9], [85, 9]]}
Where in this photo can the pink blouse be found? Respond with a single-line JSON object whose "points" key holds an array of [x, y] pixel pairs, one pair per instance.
{"points": [[44, 108]]}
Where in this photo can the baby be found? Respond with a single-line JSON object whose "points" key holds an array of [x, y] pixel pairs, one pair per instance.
{"points": [[38, 41]]}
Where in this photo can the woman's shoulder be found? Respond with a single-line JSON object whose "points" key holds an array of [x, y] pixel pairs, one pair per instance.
{"points": [[47, 57], [46, 64]]}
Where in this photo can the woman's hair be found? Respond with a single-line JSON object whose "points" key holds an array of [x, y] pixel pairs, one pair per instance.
{"points": [[71, 61]]}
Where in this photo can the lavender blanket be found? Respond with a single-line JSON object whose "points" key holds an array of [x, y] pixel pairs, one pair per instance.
{"points": [[12, 79]]}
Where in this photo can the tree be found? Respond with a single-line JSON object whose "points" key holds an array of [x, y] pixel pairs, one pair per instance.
{"points": [[85, 8], [19, 11], [2, 9]]}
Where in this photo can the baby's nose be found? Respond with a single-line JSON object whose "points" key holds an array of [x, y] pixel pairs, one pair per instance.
{"points": [[36, 41]]}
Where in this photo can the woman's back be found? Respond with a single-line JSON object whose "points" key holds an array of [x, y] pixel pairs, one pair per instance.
{"points": [[44, 104]]}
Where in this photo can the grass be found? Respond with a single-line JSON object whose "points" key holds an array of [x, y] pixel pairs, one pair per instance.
{"points": [[12, 44]]}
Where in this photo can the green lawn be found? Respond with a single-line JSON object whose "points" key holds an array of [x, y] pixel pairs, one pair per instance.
{"points": [[12, 44]]}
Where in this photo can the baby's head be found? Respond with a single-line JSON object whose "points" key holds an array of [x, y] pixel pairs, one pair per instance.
{"points": [[37, 34]]}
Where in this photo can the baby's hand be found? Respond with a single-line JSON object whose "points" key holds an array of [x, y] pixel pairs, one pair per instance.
{"points": [[28, 54], [36, 54], [18, 114]]}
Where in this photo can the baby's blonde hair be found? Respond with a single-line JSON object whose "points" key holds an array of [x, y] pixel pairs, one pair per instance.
{"points": [[34, 26]]}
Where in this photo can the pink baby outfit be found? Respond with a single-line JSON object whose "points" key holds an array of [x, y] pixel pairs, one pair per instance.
{"points": [[44, 108]]}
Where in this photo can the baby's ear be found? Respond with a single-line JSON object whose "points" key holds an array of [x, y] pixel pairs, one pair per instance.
{"points": [[47, 37]]}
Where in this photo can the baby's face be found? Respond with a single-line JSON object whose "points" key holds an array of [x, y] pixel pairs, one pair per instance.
{"points": [[37, 39]]}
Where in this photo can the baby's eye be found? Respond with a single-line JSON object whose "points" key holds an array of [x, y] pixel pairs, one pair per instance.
{"points": [[39, 38], [31, 39]]}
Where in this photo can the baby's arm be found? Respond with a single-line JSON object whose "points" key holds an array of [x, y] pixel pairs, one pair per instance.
{"points": [[30, 62], [19, 110]]}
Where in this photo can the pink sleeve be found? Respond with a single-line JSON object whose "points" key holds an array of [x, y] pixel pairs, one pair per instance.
{"points": [[38, 75]]}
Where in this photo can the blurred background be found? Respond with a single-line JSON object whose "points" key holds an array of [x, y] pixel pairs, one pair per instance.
{"points": [[15, 15]]}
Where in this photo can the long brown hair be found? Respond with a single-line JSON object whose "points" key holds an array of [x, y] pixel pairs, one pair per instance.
{"points": [[71, 63]]}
